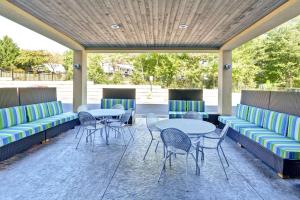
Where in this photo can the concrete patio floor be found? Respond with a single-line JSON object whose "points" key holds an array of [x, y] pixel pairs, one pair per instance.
{"points": [[57, 171]]}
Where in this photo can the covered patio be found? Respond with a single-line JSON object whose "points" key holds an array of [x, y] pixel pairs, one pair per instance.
{"points": [[56, 170]]}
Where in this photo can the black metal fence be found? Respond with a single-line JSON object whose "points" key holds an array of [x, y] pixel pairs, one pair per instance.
{"points": [[31, 76]]}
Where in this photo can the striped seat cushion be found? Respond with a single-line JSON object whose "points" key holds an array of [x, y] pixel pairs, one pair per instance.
{"points": [[176, 114], [37, 111], [196, 106], [127, 103], [242, 111], [255, 115], [254, 133], [55, 108], [224, 119], [64, 117], [282, 146], [275, 121], [278, 144], [12, 116], [177, 105], [45, 123], [15, 133], [294, 127], [238, 124]]}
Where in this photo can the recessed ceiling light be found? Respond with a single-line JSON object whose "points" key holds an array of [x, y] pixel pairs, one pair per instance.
{"points": [[115, 26], [183, 26]]}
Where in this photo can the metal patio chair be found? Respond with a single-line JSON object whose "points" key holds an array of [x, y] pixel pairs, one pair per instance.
{"points": [[217, 145], [119, 126], [81, 108], [193, 115], [151, 120], [117, 118], [90, 126], [175, 142]]}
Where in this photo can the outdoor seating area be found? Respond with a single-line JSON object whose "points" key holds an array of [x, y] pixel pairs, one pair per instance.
{"points": [[204, 102], [116, 171], [23, 125], [267, 123]]}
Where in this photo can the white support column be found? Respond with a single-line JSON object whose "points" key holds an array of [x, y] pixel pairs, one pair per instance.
{"points": [[225, 83], [79, 79]]}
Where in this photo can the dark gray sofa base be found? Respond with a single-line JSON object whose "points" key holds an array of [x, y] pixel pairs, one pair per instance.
{"points": [[54, 131], [283, 167], [19, 146]]}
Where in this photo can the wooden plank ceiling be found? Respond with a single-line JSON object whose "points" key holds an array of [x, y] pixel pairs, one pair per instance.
{"points": [[149, 23]]}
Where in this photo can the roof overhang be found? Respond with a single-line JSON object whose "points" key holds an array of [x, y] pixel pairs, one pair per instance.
{"points": [[224, 28]]}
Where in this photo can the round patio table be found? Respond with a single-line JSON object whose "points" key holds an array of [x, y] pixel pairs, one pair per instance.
{"points": [[192, 127], [106, 114]]}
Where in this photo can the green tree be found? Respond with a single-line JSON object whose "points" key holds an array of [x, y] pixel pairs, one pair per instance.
{"points": [[278, 56], [117, 78], [32, 60], [95, 72], [244, 68], [68, 64], [8, 53]]}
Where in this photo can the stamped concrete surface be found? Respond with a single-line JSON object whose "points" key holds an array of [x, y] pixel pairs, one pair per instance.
{"points": [[57, 170]]}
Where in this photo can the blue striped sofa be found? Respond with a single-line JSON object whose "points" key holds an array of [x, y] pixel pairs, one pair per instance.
{"points": [[272, 132], [108, 103], [23, 126], [177, 108]]}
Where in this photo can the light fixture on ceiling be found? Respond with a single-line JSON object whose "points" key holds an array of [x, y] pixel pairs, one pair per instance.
{"points": [[183, 26], [115, 26]]}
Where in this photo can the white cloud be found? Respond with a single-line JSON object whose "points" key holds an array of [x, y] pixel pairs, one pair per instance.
{"points": [[28, 39]]}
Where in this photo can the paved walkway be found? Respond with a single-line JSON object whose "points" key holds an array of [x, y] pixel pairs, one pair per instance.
{"points": [[57, 171]]}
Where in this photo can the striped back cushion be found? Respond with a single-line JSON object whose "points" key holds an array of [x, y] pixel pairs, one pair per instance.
{"points": [[275, 121], [127, 103], [294, 127], [197, 106], [55, 108], [177, 105], [242, 111], [255, 115], [37, 111], [12, 116]]}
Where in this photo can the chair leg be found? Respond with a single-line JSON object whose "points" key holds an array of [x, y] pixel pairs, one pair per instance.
{"points": [[222, 164], [123, 136], [147, 149], [79, 139], [163, 166], [156, 146], [130, 132], [224, 156], [187, 163], [93, 142], [78, 131]]}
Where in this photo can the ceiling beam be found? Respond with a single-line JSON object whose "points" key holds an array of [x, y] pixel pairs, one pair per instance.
{"points": [[285, 12], [19, 16], [150, 50]]}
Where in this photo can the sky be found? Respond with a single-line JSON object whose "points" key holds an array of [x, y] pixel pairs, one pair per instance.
{"points": [[28, 39]]}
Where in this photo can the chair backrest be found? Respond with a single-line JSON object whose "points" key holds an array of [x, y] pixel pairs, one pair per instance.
{"points": [[86, 119], [175, 138], [193, 115], [118, 106], [151, 120], [83, 107], [223, 134], [126, 116]]}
